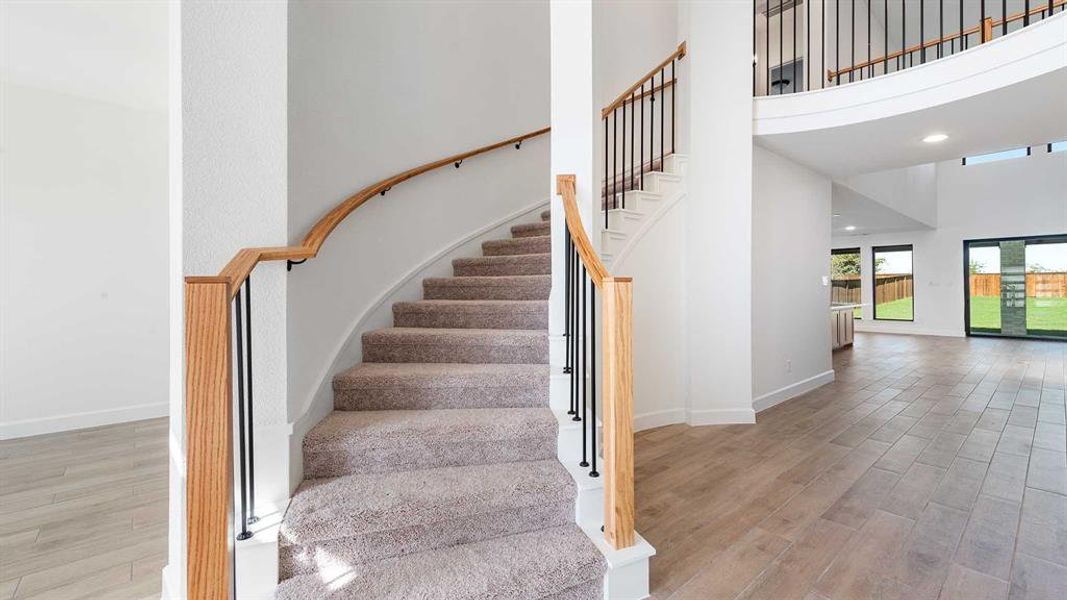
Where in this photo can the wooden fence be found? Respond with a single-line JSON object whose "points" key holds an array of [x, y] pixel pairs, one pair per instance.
{"points": [[888, 287], [1038, 285]]}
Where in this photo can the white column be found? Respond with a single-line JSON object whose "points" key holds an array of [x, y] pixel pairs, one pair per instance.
{"points": [[228, 131], [573, 122], [719, 221]]}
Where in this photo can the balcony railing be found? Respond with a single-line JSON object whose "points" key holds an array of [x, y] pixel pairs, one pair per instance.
{"points": [[802, 45]]}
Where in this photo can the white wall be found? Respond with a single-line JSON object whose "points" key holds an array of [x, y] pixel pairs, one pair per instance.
{"points": [[229, 80], [425, 81], [83, 294], [790, 303], [719, 227], [911, 191], [1018, 197]]}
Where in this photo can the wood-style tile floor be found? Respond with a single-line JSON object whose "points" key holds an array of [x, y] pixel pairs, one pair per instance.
{"points": [[932, 467], [83, 514]]}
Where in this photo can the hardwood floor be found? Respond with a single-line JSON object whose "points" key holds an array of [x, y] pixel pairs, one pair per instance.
{"points": [[932, 467], [83, 514]]}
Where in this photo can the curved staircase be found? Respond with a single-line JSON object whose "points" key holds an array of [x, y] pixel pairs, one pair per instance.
{"points": [[436, 475]]}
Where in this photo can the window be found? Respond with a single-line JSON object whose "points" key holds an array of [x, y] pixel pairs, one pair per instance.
{"points": [[846, 278], [995, 156], [894, 285], [1057, 146]]}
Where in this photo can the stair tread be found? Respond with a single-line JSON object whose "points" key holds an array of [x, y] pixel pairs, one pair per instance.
{"points": [[326, 509], [537, 564], [519, 245], [437, 375], [525, 230], [429, 335], [372, 428], [494, 280], [471, 305]]}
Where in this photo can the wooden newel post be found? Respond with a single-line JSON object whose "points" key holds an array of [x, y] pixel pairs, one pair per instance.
{"points": [[617, 294], [208, 438], [987, 29]]}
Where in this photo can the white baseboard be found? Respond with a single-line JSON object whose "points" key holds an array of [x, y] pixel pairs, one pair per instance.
{"points": [[28, 427], [906, 329], [793, 390], [659, 418], [721, 416]]}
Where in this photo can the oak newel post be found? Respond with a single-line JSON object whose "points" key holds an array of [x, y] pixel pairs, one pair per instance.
{"points": [[208, 444], [617, 308]]}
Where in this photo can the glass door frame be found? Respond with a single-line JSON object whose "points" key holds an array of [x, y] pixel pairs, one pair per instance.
{"points": [[1053, 238]]}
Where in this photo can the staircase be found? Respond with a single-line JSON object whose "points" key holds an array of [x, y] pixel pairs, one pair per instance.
{"points": [[436, 476]]}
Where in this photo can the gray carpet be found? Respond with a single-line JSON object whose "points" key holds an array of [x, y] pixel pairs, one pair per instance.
{"points": [[436, 475]]}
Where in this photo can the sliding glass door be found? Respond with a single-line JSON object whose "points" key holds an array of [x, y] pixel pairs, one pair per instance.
{"points": [[1017, 287]]}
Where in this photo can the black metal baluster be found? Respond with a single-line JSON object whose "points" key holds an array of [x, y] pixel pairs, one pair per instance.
{"points": [[1004, 17], [781, 46], [755, 60], [766, 56], [902, 60], [941, 28], [605, 199], [674, 92], [633, 135], [1026, 13], [567, 295], [794, 13], [592, 377], [575, 370], [885, 37], [807, 42], [239, 326], [822, 61], [583, 363], [251, 422], [852, 53], [837, 44], [869, 66], [652, 123], [922, 32], [615, 179], [963, 38], [642, 144], [623, 164], [662, 112]]}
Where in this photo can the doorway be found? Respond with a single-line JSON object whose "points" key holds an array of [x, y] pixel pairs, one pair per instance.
{"points": [[1016, 287]]}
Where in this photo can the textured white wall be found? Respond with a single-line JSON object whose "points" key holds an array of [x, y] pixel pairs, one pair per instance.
{"points": [[231, 74], [790, 304], [719, 229], [1019, 197], [427, 80], [83, 255]]}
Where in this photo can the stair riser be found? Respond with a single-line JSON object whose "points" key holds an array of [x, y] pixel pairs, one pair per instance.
{"points": [[534, 352], [539, 266], [530, 245], [435, 398], [537, 229], [495, 318], [296, 560], [538, 290], [412, 454]]}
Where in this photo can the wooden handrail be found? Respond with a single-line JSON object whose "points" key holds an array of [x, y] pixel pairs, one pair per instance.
{"points": [[237, 270], [565, 187], [209, 380], [617, 366], [984, 30], [621, 99]]}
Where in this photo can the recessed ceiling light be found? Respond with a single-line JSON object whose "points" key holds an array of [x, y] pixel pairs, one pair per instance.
{"points": [[934, 138], [850, 228], [837, 214]]}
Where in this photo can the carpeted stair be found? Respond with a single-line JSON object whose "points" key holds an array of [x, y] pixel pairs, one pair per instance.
{"points": [[436, 475]]}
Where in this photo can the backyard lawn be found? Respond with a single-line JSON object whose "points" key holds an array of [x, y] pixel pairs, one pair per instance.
{"points": [[897, 309], [1043, 314]]}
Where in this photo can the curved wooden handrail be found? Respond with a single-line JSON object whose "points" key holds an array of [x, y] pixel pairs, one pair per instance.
{"points": [[246, 259], [984, 30], [598, 273], [623, 97]]}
